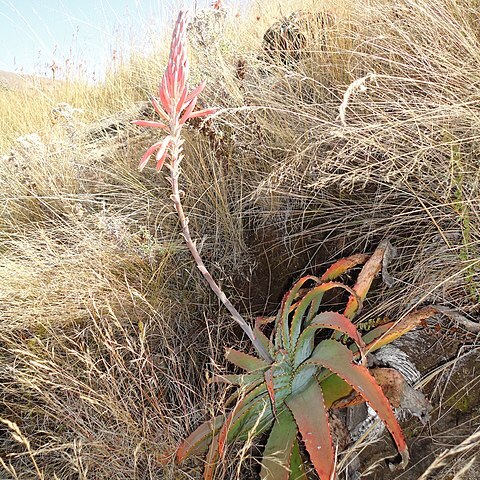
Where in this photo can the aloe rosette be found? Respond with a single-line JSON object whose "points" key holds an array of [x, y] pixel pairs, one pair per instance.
{"points": [[291, 395]]}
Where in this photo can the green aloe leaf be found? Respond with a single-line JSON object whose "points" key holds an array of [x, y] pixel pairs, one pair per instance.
{"points": [[334, 388], [254, 415], [282, 338], [331, 320], [279, 448], [297, 469], [343, 265], [250, 421], [245, 361], [314, 294], [199, 440], [302, 377], [244, 414], [311, 417], [339, 359]]}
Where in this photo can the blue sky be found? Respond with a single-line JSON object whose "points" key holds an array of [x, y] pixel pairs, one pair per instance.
{"points": [[35, 34]]}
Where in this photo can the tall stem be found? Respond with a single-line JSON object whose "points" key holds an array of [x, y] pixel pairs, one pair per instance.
{"points": [[175, 173]]}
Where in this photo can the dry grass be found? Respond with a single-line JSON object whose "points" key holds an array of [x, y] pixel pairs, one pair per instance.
{"points": [[107, 330]]}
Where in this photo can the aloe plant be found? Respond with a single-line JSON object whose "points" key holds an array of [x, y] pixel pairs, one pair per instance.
{"points": [[314, 357], [318, 360]]}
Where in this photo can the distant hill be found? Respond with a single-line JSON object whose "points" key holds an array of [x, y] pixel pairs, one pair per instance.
{"points": [[13, 80]]}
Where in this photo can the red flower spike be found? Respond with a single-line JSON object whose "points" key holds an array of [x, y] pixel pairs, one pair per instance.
{"points": [[174, 98]]}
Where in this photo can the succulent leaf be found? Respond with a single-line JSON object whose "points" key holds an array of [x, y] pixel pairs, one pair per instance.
{"points": [[302, 377], [314, 428], [267, 344], [245, 361], [198, 441], [365, 278], [315, 293], [283, 328], [279, 448], [343, 265], [331, 320], [244, 414], [334, 389], [297, 469], [387, 333], [339, 359]]}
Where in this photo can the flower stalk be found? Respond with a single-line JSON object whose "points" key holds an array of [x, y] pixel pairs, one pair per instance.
{"points": [[175, 105]]}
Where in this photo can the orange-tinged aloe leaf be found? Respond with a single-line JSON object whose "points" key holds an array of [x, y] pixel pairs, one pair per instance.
{"points": [[283, 328], [199, 439], [331, 320], [239, 413], [279, 448], [245, 361], [314, 428], [391, 381], [339, 359], [297, 469], [211, 460], [385, 334], [365, 278], [342, 266], [313, 294]]}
